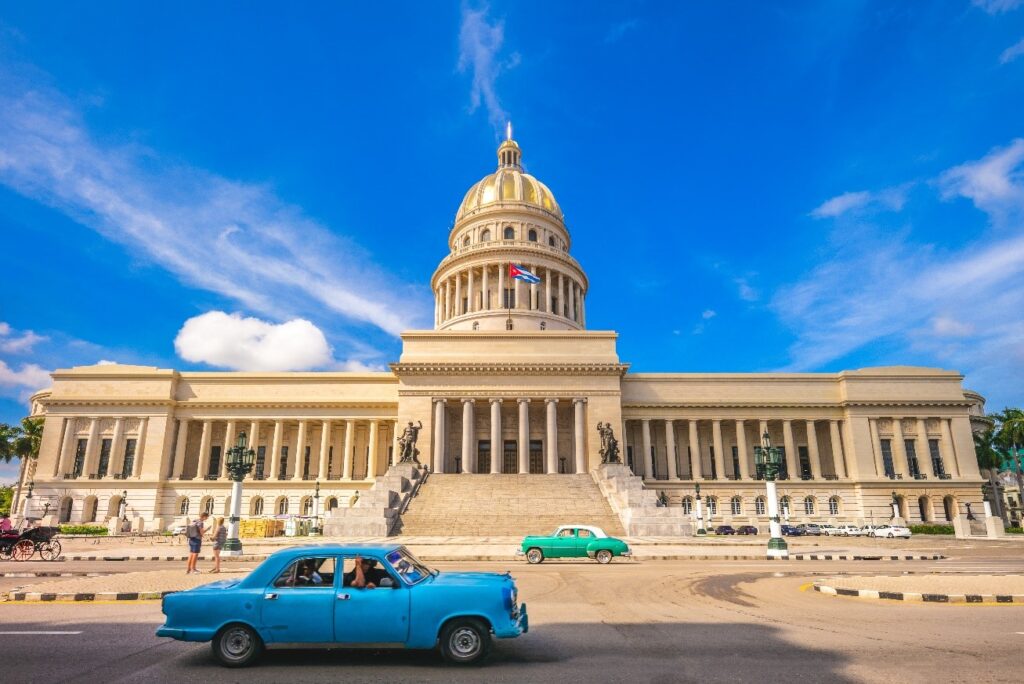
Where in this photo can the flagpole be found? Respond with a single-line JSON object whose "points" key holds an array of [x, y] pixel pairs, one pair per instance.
{"points": [[508, 303]]}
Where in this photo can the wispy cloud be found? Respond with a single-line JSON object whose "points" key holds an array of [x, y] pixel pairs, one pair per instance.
{"points": [[18, 342], [997, 6], [236, 239], [746, 291], [959, 306], [480, 42], [889, 199], [616, 32], [1013, 52]]}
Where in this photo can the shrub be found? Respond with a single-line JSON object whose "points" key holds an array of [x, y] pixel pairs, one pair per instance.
{"points": [[1014, 530], [83, 529], [931, 529]]}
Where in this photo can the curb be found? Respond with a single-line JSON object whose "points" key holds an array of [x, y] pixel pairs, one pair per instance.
{"points": [[925, 598], [861, 558], [37, 597], [29, 575]]}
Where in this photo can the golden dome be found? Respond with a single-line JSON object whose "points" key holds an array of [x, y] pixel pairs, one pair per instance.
{"points": [[509, 184]]}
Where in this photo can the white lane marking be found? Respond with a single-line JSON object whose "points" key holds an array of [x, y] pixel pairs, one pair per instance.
{"points": [[38, 633]]}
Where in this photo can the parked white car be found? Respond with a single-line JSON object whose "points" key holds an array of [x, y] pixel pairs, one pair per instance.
{"points": [[891, 531], [828, 530], [849, 531]]}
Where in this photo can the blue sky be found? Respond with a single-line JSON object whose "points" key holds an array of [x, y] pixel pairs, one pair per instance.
{"points": [[750, 186]]}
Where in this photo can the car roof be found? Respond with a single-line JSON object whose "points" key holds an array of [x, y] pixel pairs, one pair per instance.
{"points": [[595, 530], [376, 549]]}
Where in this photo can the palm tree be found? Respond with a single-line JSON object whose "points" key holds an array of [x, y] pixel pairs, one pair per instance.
{"points": [[1010, 436], [989, 459], [8, 436], [21, 443]]}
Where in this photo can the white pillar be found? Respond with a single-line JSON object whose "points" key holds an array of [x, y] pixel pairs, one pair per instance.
{"points": [[695, 459], [204, 450], [92, 448], [547, 289], [837, 449], [923, 455], [741, 449], [300, 450], [394, 444], [458, 294], [179, 449], [275, 451], [792, 462], [323, 469], [116, 449], [485, 303], [349, 456], [716, 437], [469, 291], [468, 434], [583, 309], [140, 441], [229, 441], [812, 450], [438, 455], [447, 298], [371, 456], [948, 457], [572, 299], [774, 525], [551, 442], [67, 449], [561, 299], [876, 442], [502, 268], [670, 448], [524, 436], [497, 448], [648, 458], [580, 435]]}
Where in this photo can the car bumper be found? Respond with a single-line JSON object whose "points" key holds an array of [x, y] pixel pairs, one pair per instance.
{"points": [[628, 553], [518, 625], [185, 635], [519, 553]]}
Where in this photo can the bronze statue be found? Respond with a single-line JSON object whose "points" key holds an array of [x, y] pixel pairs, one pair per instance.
{"points": [[609, 445], [407, 443]]}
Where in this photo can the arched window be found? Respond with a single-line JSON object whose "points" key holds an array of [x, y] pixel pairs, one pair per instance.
{"points": [[736, 505], [687, 505], [809, 505], [532, 235], [551, 240], [833, 505], [949, 507], [65, 509], [485, 236], [924, 508], [465, 241], [282, 506], [183, 506], [306, 506], [510, 233], [332, 503], [784, 505], [207, 506], [712, 505], [256, 506], [759, 505]]}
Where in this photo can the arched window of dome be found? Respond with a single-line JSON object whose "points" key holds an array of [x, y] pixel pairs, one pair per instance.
{"points": [[551, 240], [510, 233], [486, 235], [532, 235], [465, 241]]}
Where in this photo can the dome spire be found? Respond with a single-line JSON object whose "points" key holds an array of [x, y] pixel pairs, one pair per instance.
{"points": [[509, 154], [508, 130]]}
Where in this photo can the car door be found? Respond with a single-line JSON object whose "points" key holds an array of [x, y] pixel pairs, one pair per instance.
{"points": [[295, 611], [583, 539], [371, 616], [564, 543]]}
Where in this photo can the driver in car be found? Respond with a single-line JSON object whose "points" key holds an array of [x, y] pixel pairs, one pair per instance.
{"points": [[307, 575], [365, 574]]}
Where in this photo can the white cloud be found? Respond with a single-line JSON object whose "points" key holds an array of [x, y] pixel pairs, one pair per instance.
{"points": [[13, 342], [995, 183], [236, 239], [746, 292], [106, 362], [946, 326], [889, 199], [1013, 52], [250, 344], [708, 314], [997, 6], [480, 42], [30, 376]]}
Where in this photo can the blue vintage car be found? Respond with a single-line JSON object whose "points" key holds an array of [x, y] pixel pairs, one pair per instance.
{"points": [[305, 597]]}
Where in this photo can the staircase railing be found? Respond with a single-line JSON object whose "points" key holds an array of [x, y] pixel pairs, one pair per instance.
{"points": [[414, 492]]}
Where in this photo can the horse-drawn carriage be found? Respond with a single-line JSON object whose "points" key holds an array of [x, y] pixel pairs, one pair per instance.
{"points": [[22, 544]]}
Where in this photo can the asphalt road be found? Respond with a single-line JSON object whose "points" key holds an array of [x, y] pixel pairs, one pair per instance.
{"points": [[630, 622]]}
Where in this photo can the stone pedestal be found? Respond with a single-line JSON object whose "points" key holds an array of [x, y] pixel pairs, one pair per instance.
{"points": [[638, 507], [375, 513]]}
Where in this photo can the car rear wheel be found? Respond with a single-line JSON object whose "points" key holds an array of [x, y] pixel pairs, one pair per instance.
{"points": [[535, 556], [604, 556], [891, 535], [465, 641], [237, 646]]}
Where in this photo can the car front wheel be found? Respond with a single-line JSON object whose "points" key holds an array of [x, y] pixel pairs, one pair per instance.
{"points": [[604, 556], [891, 535], [237, 646], [535, 556], [465, 641]]}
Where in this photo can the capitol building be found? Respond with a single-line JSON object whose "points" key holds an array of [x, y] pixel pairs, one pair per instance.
{"points": [[508, 387]]}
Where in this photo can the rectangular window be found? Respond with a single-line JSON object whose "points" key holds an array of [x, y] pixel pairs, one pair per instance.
{"points": [[890, 472], [483, 456], [282, 471], [214, 470], [129, 459], [101, 470], [937, 466], [83, 446], [911, 447], [783, 464], [536, 456], [714, 469], [261, 462], [511, 457], [805, 463], [305, 464], [736, 463]]}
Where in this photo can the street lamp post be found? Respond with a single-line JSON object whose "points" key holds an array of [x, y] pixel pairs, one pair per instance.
{"points": [[28, 500], [700, 512], [239, 464], [769, 459], [316, 511]]}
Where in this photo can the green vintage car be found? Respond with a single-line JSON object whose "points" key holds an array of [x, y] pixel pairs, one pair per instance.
{"points": [[574, 541]]}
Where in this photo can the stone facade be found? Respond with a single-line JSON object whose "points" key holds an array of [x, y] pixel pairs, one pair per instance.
{"points": [[509, 381]]}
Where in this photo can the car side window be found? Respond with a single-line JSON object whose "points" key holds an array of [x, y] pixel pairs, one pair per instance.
{"points": [[566, 533], [307, 573], [585, 533], [375, 575]]}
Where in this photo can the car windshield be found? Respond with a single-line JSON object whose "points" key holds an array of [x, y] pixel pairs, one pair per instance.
{"points": [[408, 567]]}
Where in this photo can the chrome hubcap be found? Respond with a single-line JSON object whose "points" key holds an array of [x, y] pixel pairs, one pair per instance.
{"points": [[237, 643], [465, 642], [534, 556]]}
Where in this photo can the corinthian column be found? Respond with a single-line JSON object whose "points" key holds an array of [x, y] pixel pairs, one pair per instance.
{"points": [[670, 448], [116, 449], [204, 451], [67, 452], [371, 457], [300, 450], [551, 443], [470, 307], [792, 462], [502, 268], [485, 303], [349, 456], [497, 448], [716, 437], [458, 294], [179, 449], [648, 461], [275, 450], [322, 471], [695, 459], [839, 463], [229, 441], [438, 455], [524, 436], [741, 448], [812, 450]]}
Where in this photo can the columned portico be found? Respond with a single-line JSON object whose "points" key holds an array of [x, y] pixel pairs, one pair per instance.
{"points": [[551, 432]]}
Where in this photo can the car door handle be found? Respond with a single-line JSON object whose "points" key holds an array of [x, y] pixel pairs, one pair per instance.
{"points": [[344, 597], [270, 597]]}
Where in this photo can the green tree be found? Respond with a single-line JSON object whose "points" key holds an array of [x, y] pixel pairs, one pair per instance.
{"points": [[21, 442], [1010, 438], [989, 459], [5, 499]]}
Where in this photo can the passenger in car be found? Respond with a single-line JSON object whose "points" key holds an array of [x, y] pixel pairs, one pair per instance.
{"points": [[365, 574], [307, 574]]}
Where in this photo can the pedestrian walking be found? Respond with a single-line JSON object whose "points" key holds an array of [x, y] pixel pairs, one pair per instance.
{"points": [[194, 532], [219, 536]]}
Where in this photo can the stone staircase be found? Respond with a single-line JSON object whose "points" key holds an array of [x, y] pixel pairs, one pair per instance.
{"points": [[637, 506], [506, 505]]}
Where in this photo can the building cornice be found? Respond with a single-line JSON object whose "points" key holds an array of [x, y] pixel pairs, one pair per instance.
{"points": [[510, 368], [790, 404]]}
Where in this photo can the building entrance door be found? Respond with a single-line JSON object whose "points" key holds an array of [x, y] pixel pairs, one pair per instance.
{"points": [[536, 456], [483, 456], [510, 460]]}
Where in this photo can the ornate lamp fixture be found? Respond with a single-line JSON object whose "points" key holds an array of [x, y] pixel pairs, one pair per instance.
{"points": [[768, 460], [240, 462]]}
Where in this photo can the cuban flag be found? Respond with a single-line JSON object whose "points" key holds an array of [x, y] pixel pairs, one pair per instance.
{"points": [[520, 273]]}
